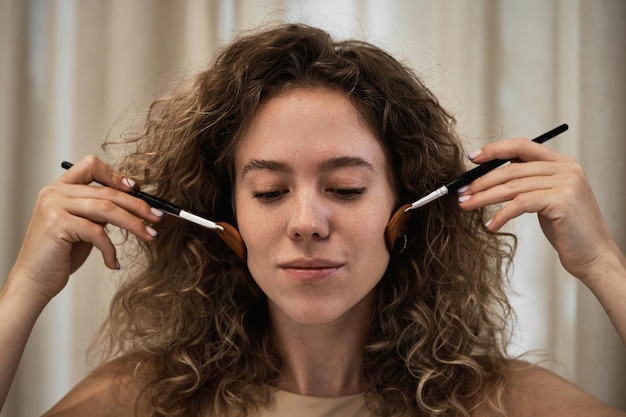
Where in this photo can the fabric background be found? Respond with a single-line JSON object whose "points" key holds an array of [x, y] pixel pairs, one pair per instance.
{"points": [[74, 72]]}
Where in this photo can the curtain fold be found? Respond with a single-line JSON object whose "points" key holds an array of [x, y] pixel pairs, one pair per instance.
{"points": [[602, 112], [74, 73]]}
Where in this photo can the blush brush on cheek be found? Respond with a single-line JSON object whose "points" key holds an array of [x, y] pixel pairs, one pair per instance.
{"points": [[397, 224], [396, 227], [233, 240], [225, 231]]}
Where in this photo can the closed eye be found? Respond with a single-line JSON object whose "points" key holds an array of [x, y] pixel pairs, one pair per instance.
{"points": [[268, 196], [348, 193], [341, 193]]}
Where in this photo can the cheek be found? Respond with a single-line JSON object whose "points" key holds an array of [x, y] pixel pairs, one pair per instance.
{"points": [[253, 235], [256, 228], [367, 235], [250, 230], [369, 255]]}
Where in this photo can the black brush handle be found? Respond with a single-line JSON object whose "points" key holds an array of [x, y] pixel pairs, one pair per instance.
{"points": [[150, 199], [481, 170]]}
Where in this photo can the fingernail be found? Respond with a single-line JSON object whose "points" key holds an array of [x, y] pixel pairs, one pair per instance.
{"points": [[464, 198], [151, 231], [156, 212], [474, 154], [129, 183], [488, 223], [463, 189]]}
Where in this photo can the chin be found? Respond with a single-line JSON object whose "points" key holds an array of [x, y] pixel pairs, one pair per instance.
{"points": [[323, 313]]}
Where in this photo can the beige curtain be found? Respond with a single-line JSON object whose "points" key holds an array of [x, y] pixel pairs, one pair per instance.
{"points": [[75, 72]]}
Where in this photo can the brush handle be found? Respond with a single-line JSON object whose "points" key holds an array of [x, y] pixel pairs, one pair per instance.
{"points": [[481, 170], [166, 206], [150, 199]]}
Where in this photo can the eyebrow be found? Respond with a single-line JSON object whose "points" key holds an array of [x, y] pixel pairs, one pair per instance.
{"points": [[330, 164]]}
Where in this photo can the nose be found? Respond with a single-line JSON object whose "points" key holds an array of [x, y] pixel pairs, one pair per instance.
{"points": [[309, 218]]}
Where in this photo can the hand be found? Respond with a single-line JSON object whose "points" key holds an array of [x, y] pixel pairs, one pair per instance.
{"points": [[69, 218], [542, 181]]}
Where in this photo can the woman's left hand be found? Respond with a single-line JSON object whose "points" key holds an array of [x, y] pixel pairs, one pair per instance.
{"points": [[542, 181]]}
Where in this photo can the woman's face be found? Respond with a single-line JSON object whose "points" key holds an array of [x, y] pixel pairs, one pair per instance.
{"points": [[313, 195]]}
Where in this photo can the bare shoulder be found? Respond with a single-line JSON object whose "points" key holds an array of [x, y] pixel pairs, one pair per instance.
{"points": [[111, 390], [532, 390]]}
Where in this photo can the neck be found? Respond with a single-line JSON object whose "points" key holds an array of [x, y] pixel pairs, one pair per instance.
{"points": [[323, 360]]}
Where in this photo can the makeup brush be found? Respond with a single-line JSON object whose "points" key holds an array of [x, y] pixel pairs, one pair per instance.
{"points": [[479, 171], [225, 231], [397, 224]]}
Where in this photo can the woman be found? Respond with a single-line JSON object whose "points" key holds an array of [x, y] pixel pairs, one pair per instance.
{"points": [[308, 146]]}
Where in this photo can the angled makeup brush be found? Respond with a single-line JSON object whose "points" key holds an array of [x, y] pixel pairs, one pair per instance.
{"points": [[479, 171], [225, 231], [397, 224]]}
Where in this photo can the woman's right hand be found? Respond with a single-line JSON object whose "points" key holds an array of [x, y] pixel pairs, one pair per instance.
{"points": [[69, 219]]}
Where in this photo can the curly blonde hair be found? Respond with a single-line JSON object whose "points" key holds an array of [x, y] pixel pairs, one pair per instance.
{"points": [[195, 315]]}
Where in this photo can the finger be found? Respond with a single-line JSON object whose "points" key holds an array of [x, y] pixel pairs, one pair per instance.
{"points": [[507, 191], [84, 230], [516, 172], [67, 232], [519, 148], [122, 199], [92, 169], [103, 211], [522, 177], [532, 202]]}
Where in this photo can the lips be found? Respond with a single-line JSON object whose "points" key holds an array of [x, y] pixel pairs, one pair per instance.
{"points": [[310, 269]]}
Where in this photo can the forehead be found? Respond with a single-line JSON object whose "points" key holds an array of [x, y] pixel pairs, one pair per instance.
{"points": [[308, 124]]}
